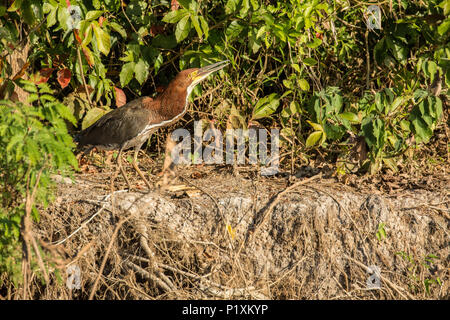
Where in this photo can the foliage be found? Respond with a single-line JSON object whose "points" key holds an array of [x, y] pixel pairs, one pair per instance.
{"points": [[34, 145], [311, 67]]}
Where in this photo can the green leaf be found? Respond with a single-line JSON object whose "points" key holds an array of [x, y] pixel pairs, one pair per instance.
{"points": [[287, 84], [51, 18], [102, 38], [397, 102], [196, 24], [444, 27], [118, 28], [430, 69], [445, 4], [234, 29], [310, 61], [141, 71], [165, 42], [296, 67], [185, 3], [127, 73], [175, 16], [314, 138], [316, 42], [350, 116], [94, 14], [231, 6], [304, 85], [205, 27], [422, 131], [315, 126], [183, 28], [91, 116], [266, 106], [88, 36]]}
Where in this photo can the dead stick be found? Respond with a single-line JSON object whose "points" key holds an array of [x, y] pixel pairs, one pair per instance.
{"points": [[265, 213], [80, 62]]}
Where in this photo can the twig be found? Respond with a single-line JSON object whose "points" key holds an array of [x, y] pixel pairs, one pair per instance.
{"points": [[392, 285], [108, 250], [27, 233], [80, 62], [366, 35], [149, 275], [274, 201], [89, 220]]}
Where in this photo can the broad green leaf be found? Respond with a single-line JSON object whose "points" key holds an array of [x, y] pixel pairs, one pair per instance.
{"points": [[314, 138], [316, 42], [405, 125], [296, 67], [183, 28], [87, 36], [287, 84], [127, 73], [118, 28], [422, 131], [430, 69], [231, 6], [397, 102], [315, 126], [304, 85], [158, 63], [350, 116], [266, 106], [175, 16], [445, 5], [102, 38], [141, 71], [295, 107], [51, 18], [310, 61], [185, 3], [196, 24], [205, 27], [94, 14], [444, 27], [234, 29], [91, 116]]}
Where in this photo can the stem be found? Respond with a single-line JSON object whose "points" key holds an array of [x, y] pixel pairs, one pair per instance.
{"points": [[82, 76]]}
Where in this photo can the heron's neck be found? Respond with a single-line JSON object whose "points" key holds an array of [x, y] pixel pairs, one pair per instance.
{"points": [[174, 101]]}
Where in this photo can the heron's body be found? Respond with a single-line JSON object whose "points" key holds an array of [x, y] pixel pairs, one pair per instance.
{"points": [[132, 124]]}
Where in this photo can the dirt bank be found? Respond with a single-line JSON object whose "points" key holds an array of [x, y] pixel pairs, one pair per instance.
{"points": [[214, 234]]}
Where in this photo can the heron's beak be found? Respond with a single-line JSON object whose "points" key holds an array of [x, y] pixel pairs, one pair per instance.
{"points": [[202, 73]]}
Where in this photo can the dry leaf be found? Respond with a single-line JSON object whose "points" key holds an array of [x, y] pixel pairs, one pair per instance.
{"points": [[121, 98], [64, 76]]}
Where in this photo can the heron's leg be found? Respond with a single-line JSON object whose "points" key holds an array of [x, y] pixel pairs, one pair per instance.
{"points": [[119, 162], [136, 152]]}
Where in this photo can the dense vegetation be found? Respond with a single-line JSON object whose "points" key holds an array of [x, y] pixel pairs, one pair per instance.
{"points": [[362, 99]]}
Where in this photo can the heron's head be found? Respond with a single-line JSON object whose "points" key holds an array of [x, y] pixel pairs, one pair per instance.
{"points": [[189, 78]]}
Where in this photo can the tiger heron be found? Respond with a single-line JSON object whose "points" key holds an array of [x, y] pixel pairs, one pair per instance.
{"points": [[132, 124]]}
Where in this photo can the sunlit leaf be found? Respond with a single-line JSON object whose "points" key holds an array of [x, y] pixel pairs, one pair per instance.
{"points": [[121, 98], [102, 38], [314, 138], [183, 28], [64, 76], [127, 73]]}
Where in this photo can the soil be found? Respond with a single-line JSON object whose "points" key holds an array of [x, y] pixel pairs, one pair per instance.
{"points": [[221, 232]]}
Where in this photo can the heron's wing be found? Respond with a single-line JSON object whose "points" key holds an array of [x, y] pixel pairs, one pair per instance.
{"points": [[118, 126]]}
